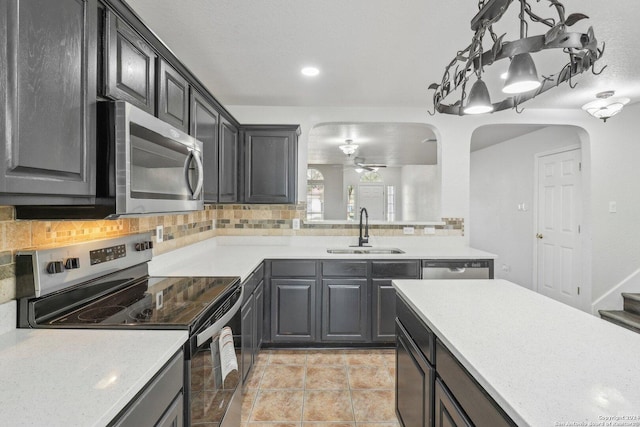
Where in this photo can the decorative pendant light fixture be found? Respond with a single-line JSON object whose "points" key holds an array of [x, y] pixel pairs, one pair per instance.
{"points": [[522, 82], [348, 148], [605, 106]]}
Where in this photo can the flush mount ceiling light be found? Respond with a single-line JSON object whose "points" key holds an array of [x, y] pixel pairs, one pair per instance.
{"points": [[349, 148], [521, 81], [605, 106], [310, 71]]}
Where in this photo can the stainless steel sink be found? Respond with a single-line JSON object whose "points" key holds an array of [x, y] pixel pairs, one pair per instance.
{"points": [[365, 250]]}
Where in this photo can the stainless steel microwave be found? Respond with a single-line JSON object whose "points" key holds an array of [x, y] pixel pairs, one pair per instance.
{"points": [[144, 166], [150, 166]]}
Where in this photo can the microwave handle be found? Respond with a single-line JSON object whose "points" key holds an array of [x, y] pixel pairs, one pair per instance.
{"points": [[195, 193]]}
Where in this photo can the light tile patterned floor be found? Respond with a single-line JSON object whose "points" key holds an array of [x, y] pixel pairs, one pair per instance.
{"points": [[321, 388]]}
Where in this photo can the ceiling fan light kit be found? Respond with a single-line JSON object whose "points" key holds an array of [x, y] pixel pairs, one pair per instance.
{"points": [[348, 148], [522, 82]]}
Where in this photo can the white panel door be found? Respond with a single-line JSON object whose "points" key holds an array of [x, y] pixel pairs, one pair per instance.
{"points": [[371, 196], [558, 237]]}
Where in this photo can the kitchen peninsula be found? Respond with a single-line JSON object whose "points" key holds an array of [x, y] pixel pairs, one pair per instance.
{"points": [[541, 361]]}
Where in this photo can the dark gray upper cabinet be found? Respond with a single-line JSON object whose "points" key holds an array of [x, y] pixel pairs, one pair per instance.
{"points": [[344, 310], [48, 62], [228, 162], [204, 127], [270, 163], [173, 97], [129, 65]]}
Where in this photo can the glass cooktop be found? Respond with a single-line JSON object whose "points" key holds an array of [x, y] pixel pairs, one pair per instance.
{"points": [[173, 302]]}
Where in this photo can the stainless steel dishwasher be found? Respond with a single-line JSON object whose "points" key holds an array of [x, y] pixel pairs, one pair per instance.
{"points": [[457, 269]]}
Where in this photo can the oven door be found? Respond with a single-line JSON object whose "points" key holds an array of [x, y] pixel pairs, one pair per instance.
{"points": [[214, 395], [158, 168]]}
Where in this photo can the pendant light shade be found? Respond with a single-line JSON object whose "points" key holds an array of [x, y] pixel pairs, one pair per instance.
{"points": [[522, 75], [479, 100], [349, 148]]}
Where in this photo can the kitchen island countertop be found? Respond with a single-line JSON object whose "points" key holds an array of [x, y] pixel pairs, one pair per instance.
{"points": [[64, 377], [545, 363]]}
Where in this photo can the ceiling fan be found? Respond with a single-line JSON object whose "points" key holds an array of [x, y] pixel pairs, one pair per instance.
{"points": [[359, 162]]}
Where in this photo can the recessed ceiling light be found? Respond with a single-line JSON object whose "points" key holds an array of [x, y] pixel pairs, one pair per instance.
{"points": [[310, 71]]}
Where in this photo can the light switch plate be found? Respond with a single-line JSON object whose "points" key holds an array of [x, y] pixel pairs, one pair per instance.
{"points": [[429, 230], [613, 207], [296, 223], [159, 233], [408, 230]]}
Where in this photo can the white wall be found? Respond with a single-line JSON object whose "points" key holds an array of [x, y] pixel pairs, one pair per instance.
{"points": [[610, 154], [502, 177], [335, 206], [420, 193]]}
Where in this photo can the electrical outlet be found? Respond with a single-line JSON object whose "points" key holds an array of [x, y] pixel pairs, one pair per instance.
{"points": [[506, 268], [159, 299], [159, 233], [296, 223], [429, 230], [213, 224], [408, 230], [613, 207]]}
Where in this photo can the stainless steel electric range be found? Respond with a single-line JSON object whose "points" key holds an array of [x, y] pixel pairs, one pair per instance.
{"points": [[105, 284]]}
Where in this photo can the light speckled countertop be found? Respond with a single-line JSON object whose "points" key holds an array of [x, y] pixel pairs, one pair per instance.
{"points": [[543, 362], [239, 256], [67, 377]]}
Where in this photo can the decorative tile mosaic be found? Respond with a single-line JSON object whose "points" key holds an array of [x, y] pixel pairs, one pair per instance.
{"points": [[179, 230]]}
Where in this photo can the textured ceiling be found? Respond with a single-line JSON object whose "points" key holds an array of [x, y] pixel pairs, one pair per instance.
{"points": [[393, 144], [370, 52]]}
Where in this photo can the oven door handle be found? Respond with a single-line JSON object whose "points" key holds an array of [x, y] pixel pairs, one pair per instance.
{"points": [[208, 333]]}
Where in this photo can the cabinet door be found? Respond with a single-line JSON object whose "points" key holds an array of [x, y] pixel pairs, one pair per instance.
{"points": [[174, 417], [383, 310], [228, 162], [344, 310], [248, 335], [447, 412], [173, 97], [259, 329], [414, 382], [293, 310], [48, 63], [270, 164], [129, 65], [204, 128]]}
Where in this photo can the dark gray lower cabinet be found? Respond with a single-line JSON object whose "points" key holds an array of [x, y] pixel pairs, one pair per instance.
{"points": [[48, 64], [447, 411], [383, 310], [293, 310], [345, 310], [259, 329], [414, 382], [432, 386], [248, 335], [161, 401]]}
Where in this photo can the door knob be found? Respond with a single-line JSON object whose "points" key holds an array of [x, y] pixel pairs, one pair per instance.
{"points": [[538, 236]]}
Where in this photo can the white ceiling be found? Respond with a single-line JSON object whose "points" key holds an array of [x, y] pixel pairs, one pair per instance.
{"points": [[370, 52], [393, 144], [373, 53]]}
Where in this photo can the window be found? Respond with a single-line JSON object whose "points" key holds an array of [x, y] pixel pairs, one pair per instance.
{"points": [[315, 194], [351, 203], [370, 176]]}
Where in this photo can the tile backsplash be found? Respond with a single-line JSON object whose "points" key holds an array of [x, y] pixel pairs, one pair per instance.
{"points": [[179, 230]]}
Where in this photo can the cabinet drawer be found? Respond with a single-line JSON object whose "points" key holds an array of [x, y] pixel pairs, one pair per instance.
{"points": [[293, 268], [396, 269], [344, 269], [481, 409], [420, 333]]}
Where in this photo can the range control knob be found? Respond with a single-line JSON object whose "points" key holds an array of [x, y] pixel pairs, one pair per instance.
{"points": [[55, 267], [143, 246], [72, 263]]}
